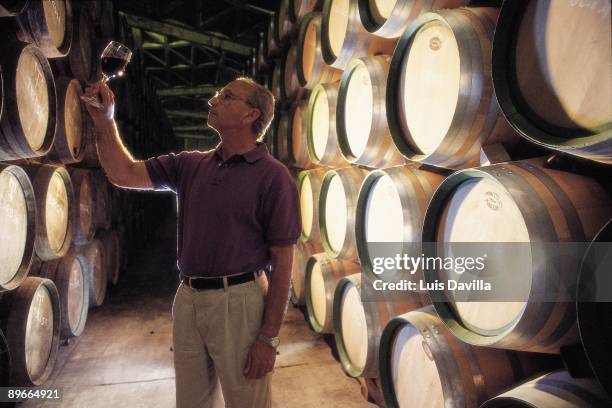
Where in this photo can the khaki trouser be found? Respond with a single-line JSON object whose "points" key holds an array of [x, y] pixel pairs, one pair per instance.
{"points": [[213, 331]]}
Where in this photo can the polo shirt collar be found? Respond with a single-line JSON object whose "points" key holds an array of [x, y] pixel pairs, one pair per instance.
{"points": [[259, 152]]}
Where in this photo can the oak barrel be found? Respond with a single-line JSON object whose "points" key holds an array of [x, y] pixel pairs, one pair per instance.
{"points": [[358, 325], [90, 151], [322, 138], [48, 25], [276, 83], [361, 118], [310, 66], [423, 364], [284, 29], [551, 71], [337, 211], [72, 281], [70, 133], [30, 317], [299, 8], [272, 49], [29, 106], [84, 197], [291, 90], [95, 266], [513, 203], [298, 130], [54, 207], [445, 108], [322, 275], [83, 53], [281, 137], [112, 253], [389, 18], [17, 226], [309, 187], [390, 211], [102, 202], [301, 253], [553, 390], [344, 37]]}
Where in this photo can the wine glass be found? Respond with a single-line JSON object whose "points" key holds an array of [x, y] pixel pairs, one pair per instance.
{"points": [[114, 59]]}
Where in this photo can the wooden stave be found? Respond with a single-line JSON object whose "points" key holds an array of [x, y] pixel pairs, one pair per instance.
{"points": [[82, 56], [302, 159], [272, 50], [112, 253], [402, 15], [521, 334], [14, 324], [90, 151], [40, 175], [58, 271], [597, 147], [415, 187], [284, 29], [467, 385], [380, 150], [334, 270], [80, 177], [281, 138], [301, 253], [585, 393], [102, 204], [351, 178], [332, 156], [28, 190], [262, 62], [315, 177], [95, 264], [12, 10], [321, 72], [378, 314], [275, 87], [290, 89], [60, 151], [592, 316], [461, 144], [305, 7], [13, 143], [31, 32]]}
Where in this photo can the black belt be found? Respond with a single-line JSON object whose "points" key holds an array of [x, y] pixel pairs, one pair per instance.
{"points": [[202, 283]]}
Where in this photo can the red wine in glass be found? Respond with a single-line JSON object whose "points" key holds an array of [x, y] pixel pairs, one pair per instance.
{"points": [[113, 66], [114, 59]]}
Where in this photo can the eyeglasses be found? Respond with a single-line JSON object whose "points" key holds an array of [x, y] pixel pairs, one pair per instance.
{"points": [[226, 96]]}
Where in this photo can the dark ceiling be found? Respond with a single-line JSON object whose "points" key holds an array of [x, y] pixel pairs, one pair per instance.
{"points": [[188, 48]]}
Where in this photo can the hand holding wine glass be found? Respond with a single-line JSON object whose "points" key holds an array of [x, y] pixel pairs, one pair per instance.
{"points": [[114, 59]]}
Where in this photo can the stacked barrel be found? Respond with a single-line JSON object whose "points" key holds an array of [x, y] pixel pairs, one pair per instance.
{"points": [[60, 244], [412, 126]]}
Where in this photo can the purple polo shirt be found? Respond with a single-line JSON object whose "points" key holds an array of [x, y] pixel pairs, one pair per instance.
{"points": [[229, 213]]}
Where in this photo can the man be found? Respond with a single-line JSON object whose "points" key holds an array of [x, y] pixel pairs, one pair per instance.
{"points": [[237, 212]]}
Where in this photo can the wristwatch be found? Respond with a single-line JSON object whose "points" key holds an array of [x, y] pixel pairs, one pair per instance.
{"points": [[270, 341]]}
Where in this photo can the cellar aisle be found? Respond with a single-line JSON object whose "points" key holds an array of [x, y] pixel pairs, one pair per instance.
{"points": [[124, 356]]}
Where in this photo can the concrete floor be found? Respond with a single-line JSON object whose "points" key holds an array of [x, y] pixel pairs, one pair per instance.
{"points": [[124, 356]]}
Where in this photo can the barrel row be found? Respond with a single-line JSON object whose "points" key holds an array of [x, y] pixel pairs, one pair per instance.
{"points": [[421, 90], [469, 68]]}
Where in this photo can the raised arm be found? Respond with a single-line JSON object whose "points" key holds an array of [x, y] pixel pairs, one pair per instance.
{"points": [[120, 167]]}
